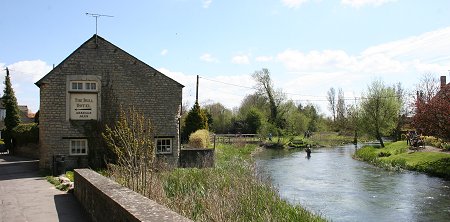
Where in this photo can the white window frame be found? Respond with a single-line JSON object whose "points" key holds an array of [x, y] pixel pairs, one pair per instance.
{"points": [[84, 86], [167, 148], [79, 151]]}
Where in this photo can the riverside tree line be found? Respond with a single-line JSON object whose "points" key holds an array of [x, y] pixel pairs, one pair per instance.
{"points": [[381, 111]]}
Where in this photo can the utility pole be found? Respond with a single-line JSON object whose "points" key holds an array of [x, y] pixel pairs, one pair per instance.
{"points": [[196, 91]]}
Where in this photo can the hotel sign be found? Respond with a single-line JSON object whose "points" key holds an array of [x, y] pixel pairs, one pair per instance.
{"points": [[83, 106]]}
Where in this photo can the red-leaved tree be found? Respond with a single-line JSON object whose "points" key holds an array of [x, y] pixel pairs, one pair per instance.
{"points": [[433, 117]]}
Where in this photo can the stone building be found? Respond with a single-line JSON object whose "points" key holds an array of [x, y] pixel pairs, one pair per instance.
{"points": [[88, 89]]}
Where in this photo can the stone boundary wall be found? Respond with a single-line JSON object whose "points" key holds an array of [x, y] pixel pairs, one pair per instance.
{"points": [[106, 200], [29, 150]]}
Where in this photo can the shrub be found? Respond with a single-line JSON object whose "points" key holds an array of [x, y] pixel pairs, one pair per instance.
{"points": [[26, 133], [433, 141], [199, 139], [446, 146]]}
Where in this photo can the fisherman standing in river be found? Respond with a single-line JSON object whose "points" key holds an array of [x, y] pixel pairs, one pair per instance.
{"points": [[308, 152]]}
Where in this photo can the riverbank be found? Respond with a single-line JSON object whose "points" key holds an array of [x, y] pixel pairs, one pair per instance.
{"points": [[231, 191], [398, 156]]}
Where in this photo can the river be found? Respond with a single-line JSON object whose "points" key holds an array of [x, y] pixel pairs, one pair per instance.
{"points": [[340, 188]]}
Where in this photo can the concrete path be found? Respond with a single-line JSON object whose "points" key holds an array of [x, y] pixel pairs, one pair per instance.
{"points": [[26, 196]]}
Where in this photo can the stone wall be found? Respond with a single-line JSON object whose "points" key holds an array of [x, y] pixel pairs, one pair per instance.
{"points": [[105, 200], [29, 150], [198, 158], [123, 82]]}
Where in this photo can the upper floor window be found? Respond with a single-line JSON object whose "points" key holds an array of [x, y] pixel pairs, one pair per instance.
{"points": [[83, 86]]}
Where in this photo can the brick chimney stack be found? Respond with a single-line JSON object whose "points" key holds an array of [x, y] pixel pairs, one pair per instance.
{"points": [[443, 81]]}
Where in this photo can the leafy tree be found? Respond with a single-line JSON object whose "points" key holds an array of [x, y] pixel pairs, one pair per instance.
{"points": [[12, 118], [380, 110], [264, 87], [313, 116], [433, 117], [253, 120], [297, 122], [196, 119], [221, 118]]}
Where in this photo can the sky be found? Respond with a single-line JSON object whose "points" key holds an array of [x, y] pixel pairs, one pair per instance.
{"points": [[308, 46]]}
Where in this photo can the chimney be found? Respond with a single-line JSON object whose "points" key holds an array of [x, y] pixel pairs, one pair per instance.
{"points": [[443, 81]]}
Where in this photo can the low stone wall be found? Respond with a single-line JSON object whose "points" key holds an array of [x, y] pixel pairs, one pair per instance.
{"points": [[106, 200], [199, 158], [29, 150]]}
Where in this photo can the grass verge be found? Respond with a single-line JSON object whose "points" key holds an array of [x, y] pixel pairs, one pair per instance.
{"points": [[231, 191], [395, 156]]}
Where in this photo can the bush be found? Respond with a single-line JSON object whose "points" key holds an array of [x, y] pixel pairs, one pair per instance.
{"points": [[199, 139], [26, 133], [433, 141]]}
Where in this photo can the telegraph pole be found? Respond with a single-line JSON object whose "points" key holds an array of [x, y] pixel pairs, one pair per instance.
{"points": [[196, 91]]}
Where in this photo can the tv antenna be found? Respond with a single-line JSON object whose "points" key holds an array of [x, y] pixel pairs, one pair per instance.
{"points": [[96, 16]]}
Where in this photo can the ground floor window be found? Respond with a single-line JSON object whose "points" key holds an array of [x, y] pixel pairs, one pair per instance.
{"points": [[163, 145], [78, 147]]}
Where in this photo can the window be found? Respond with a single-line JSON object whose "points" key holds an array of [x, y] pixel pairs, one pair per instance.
{"points": [[78, 147], [163, 145], [91, 86], [77, 86], [83, 86]]}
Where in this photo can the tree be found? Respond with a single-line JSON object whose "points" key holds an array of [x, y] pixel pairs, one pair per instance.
{"points": [[253, 120], [340, 109], [264, 87], [196, 119], [131, 140], [331, 97], [380, 110], [433, 117], [12, 118], [221, 118], [427, 87]]}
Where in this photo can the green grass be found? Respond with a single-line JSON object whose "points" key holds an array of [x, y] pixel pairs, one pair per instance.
{"points": [[231, 191], [395, 156]]}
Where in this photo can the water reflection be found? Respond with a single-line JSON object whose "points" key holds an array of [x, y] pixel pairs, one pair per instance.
{"points": [[343, 189]]}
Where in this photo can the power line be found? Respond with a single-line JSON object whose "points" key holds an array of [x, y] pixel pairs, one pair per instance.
{"points": [[309, 100]]}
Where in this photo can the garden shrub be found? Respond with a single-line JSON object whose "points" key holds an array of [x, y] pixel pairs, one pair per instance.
{"points": [[199, 139], [433, 141], [26, 133]]}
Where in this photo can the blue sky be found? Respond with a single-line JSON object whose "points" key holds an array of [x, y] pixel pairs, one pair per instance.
{"points": [[308, 45]]}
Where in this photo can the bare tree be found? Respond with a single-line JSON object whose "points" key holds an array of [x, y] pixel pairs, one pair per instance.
{"points": [[331, 97], [340, 107], [131, 140], [428, 87]]}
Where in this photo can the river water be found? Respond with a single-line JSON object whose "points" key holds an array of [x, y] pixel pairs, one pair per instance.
{"points": [[340, 188]]}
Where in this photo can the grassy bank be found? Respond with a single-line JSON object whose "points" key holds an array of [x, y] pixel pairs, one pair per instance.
{"points": [[396, 156], [229, 192]]}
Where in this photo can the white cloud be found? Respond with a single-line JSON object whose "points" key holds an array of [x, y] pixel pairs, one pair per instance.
{"points": [[362, 3], [206, 3], [264, 58], [240, 59], [23, 76], [293, 3], [29, 71], [164, 52], [208, 58], [314, 72]]}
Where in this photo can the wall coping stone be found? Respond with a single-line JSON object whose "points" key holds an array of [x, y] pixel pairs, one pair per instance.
{"points": [[135, 206]]}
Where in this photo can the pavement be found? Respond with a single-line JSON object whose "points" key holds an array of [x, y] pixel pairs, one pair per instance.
{"points": [[27, 196]]}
